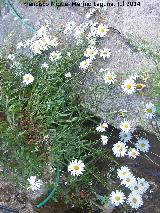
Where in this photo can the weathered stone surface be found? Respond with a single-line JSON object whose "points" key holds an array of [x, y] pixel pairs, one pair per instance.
{"points": [[124, 62], [142, 22]]}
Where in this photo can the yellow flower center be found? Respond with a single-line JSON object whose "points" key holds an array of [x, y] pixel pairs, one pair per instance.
{"points": [[133, 153], [102, 30], [121, 113], [139, 86], [128, 179], [129, 86], [134, 200], [76, 167], [27, 78], [91, 52], [102, 126], [43, 40], [126, 126], [136, 188], [142, 145], [149, 110], [42, 30], [124, 173], [110, 78], [117, 198]]}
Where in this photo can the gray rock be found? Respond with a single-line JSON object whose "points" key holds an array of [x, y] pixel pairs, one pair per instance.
{"points": [[140, 22], [124, 62]]}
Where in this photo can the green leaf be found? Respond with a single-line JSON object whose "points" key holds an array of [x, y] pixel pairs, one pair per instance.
{"points": [[158, 110]]}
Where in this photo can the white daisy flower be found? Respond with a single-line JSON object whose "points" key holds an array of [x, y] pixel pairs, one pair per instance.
{"points": [[119, 149], [28, 42], [102, 30], [125, 126], [150, 110], [104, 139], [143, 184], [34, 184], [44, 42], [28, 79], [36, 50], [55, 55], [92, 41], [109, 78], [20, 45], [91, 52], [129, 181], [128, 86], [102, 127], [105, 52], [90, 13], [92, 36], [125, 137], [79, 30], [53, 42], [93, 31], [143, 145], [11, 57], [44, 65], [68, 75], [36, 47], [85, 64], [133, 153], [136, 188], [135, 200], [76, 167], [123, 172], [42, 31], [117, 197]]}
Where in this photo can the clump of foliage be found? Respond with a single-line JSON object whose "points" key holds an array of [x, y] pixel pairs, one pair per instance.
{"points": [[45, 123]]}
